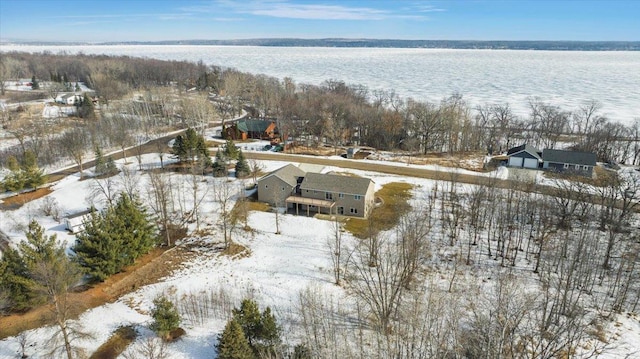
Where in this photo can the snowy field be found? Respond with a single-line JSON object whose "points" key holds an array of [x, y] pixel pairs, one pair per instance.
{"points": [[279, 268]]}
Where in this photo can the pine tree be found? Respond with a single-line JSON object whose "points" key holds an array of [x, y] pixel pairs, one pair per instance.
{"points": [[135, 226], [99, 161], [248, 316], [165, 317], [232, 343], [98, 248], [261, 329], [34, 84], [242, 167], [15, 278], [86, 109], [230, 149], [219, 166], [38, 247], [115, 239], [190, 147], [33, 175], [14, 181]]}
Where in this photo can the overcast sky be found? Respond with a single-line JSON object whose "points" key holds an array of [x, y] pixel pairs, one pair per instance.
{"points": [[151, 20]]}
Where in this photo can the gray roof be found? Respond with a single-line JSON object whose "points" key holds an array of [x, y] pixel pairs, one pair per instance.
{"points": [[335, 183], [288, 174], [526, 148], [570, 157]]}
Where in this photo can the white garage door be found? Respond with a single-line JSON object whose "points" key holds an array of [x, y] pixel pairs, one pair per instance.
{"points": [[515, 162], [530, 163]]}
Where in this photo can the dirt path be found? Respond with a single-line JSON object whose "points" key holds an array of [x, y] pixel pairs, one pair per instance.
{"points": [[149, 269]]}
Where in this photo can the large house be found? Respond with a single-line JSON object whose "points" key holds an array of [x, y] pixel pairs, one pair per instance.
{"points": [[311, 193], [251, 128], [571, 162], [574, 162]]}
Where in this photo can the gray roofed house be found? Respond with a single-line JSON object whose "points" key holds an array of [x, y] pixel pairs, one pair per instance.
{"points": [[316, 192], [335, 183], [581, 163]]}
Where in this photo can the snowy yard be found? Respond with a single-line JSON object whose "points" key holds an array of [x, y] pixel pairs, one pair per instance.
{"points": [[279, 268]]}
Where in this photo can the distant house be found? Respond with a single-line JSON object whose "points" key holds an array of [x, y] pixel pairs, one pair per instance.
{"points": [[311, 193], [573, 162], [74, 223], [524, 156], [251, 128], [69, 99]]}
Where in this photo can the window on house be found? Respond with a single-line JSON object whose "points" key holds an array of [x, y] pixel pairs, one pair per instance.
{"points": [[577, 167], [357, 197], [265, 186], [353, 210], [328, 195], [586, 168], [340, 195], [283, 188], [566, 166]]}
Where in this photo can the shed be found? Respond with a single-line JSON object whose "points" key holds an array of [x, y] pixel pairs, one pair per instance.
{"points": [[74, 223]]}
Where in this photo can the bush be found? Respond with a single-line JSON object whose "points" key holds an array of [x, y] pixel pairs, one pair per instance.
{"points": [[166, 318]]}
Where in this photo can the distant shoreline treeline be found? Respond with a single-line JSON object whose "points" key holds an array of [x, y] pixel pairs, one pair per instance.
{"points": [[383, 43]]}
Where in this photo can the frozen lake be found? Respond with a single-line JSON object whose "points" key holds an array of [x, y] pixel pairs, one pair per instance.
{"points": [[565, 78]]}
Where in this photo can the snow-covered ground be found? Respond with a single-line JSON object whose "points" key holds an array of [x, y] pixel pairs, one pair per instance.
{"points": [[277, 270]]}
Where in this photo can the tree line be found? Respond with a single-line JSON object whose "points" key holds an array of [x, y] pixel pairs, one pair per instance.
{"points": [[332, 113]]}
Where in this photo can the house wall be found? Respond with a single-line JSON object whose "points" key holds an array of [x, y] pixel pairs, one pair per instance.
{"points": [[570, 169], [361, 207], [272, 189]]}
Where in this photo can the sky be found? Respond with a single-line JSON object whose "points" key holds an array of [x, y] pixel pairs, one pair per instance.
{"points": [[157, 20]]}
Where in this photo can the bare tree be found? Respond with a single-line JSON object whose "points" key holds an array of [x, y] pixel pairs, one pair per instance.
{"points": [[334, 243], [381, 284], [55, 279], [149, 348], [222, 193], [162, 199], [75, 145]]}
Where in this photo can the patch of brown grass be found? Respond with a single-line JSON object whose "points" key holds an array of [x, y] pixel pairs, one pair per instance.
{"points": [[395, 197], [117, 343], [236, 251], [17, 201]]}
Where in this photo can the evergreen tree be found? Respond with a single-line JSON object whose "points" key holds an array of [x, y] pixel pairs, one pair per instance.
{"points": [[15, 279], [34, 84], [38, 248], [98, 248], [190, 146], [230, 149], [219, 166], [130, 216], [34, 176], [242, 167], [261, 330], [86, 109], [232, 343], [110, 167], [14, 181], [99, 161], [165, 317], [115, 239]]}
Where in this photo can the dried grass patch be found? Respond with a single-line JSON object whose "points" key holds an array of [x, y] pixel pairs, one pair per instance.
{"points": [[395, 203], [17, 201], [117, 343]]}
